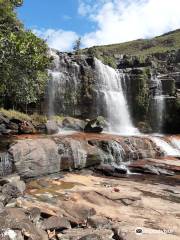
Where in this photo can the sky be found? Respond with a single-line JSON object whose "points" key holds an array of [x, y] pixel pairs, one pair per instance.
{"points": [[98, 22]]}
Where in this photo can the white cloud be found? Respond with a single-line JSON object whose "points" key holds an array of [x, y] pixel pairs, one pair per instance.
{"points": [[118, 21], [125, 20], [58, 39]]}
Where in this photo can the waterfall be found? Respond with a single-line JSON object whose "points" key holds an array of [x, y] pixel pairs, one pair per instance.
{"points": [[158, 104], [63, 85], [166, 147], [66, 86], [54, 76], [113, 100], [5, 164], [175, 142]]}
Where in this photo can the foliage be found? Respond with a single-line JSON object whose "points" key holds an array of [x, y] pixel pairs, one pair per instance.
{"points": [[23, 59], [140, 94]]}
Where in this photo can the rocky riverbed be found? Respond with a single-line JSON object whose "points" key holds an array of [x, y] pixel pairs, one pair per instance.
{"points": [[89, 186], [84, 205]]}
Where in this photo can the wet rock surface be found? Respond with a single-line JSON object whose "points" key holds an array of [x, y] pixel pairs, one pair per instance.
{"points": [[39, 156]]}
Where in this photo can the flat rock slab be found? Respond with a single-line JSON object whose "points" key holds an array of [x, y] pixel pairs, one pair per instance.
{"points": [[169, 164], [102, 203]]}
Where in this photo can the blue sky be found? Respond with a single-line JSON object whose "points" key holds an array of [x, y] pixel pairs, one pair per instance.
{"points": [[98, 22], [54, 14]]}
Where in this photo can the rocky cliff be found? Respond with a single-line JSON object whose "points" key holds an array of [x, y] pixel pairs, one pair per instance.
{"points": [[151, 85]]}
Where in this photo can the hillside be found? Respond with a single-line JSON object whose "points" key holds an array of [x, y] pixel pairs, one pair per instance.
{"points": [[141, 47]]}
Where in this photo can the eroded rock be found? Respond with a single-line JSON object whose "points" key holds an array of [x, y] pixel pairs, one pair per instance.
{"points": [[57, 223]]}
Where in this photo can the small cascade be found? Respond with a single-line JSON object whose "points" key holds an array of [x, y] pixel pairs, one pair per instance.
{"points": [[166, 147], [5, 164], [158, 104], [113, 100], [79, 154], [74, 153], [175, 142]]}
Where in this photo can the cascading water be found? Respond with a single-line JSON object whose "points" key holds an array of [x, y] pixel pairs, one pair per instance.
{"points": [[166, 147], [114, 102], [175, 142], [55, 75], [63, 85], [5, 164], [158, 104]]}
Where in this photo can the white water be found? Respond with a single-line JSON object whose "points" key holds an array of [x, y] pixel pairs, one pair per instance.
{"points": [[166, 147], [63, 79], [109, 83], [55, 76], [5, 164], [175, 142], [158, 103]]}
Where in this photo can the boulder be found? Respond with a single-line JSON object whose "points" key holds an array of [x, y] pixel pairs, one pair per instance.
{"points": [[34, 214], [41, 128], [11, 191], [14, 219], [98, 222], [26, 127], [20, 185], [73, 123], [3, 128], [95, 126], [13, 126], [111, 170], [3, 119], [56, 223], [78, 154], [51, 127], [36, 157], [91, 237]]}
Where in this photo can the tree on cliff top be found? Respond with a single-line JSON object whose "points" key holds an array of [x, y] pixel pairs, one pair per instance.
{"points": [[77, 45], [23, 59]]}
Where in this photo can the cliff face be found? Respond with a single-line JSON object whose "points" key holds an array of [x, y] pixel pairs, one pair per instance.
{"points": [[149, 72], [153, 84]]}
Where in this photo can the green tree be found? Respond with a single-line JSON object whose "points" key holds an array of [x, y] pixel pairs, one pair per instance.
{"points": [[77, 45], [23, 59]]}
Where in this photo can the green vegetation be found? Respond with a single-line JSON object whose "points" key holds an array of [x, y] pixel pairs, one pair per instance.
{"points": [[34, 118], [23, 60], [140, 47], [140, 94]]}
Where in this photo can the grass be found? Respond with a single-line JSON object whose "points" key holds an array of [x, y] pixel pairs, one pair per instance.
{"points": [[15, 114], [34, 118], [141, 47]]}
